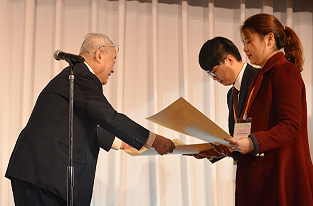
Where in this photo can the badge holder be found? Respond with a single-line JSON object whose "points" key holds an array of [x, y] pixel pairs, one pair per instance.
{"points": [[242, 128]]}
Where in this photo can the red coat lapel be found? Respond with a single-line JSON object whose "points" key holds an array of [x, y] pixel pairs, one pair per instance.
{"points": [[257, 82]]}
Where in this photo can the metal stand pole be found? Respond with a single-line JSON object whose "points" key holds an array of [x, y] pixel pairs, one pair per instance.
{"points": [[70, 168], [72, 59]]}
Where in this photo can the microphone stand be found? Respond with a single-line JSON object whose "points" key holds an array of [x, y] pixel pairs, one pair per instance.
{"points": [[72, 60], [70, 168]]}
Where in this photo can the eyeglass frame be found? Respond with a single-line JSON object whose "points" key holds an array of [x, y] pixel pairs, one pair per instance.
{"points": [[213, 74], [116, 47]]}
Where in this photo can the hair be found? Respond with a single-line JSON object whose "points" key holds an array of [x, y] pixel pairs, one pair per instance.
{"points": [[285, 37], [215, 50], [94, 41]]}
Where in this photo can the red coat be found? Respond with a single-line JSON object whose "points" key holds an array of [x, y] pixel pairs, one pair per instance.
{"points": [[284, 175]]}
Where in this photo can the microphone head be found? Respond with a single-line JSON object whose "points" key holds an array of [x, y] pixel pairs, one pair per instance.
{"points": [[80, 59], [56, 55]]}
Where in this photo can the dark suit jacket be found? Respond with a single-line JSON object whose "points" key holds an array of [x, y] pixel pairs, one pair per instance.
{"points": [[284, 175], [40, 156], [247, 79]]}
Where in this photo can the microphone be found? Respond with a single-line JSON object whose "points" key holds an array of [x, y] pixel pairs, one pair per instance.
{"points": [[71, 58]]}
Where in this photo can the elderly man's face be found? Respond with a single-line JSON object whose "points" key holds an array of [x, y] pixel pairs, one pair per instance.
{"points": [[107, 65]]}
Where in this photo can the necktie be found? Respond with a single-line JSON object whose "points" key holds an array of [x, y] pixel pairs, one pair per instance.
{"points": [[235, 98]]}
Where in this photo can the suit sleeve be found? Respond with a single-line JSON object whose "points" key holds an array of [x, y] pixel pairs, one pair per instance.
{"points": [[230, 124], [231, 120], [105, 138], [90, 100]]}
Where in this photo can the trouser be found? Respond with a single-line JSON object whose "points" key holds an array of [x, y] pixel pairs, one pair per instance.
{"points": [[26, 194]]}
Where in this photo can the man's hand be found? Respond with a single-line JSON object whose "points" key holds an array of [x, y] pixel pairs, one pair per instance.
{"points": [[215, 152], [163, 145], [222, 150], [209, 154]]}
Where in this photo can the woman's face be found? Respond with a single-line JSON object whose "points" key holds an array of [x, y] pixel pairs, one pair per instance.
{"points": [[256, 48]]}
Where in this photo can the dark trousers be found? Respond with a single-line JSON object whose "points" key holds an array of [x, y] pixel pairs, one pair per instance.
{"points": [[26, 194]]}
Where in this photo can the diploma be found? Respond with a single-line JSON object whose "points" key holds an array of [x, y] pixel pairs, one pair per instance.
{"points": [[184, 118]]}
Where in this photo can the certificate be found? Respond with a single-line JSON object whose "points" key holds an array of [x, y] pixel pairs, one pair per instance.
{"points": [[184, 118]]}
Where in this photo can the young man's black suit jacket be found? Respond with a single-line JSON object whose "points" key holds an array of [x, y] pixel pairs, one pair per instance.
{"points": [[40, 156], [247, 79]]}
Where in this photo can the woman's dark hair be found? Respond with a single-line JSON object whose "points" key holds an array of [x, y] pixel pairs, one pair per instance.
{"points": [[285, 37], [215, 50]]}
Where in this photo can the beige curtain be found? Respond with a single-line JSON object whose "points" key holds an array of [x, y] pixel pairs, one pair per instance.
{"points": [[157, 63]]}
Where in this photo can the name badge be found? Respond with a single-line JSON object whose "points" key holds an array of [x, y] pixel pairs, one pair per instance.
{"points": [[242, 128]]}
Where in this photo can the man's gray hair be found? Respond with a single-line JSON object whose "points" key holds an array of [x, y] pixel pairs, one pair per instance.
{"points": [[94, 41]]}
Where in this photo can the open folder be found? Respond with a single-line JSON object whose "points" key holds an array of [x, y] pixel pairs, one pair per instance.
{"points": [[184, 118]]}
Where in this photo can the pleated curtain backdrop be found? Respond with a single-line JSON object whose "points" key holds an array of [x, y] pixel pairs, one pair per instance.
{"points": [[157, 63]]}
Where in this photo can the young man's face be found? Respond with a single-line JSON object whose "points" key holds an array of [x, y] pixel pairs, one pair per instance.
{"points": [[224, 73]]}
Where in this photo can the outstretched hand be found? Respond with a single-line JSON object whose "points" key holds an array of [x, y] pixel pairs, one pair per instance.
{"points": [[163, 145]]}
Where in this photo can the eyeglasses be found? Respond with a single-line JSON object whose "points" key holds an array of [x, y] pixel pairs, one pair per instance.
{"points": [[213, 74], [116, 47]]}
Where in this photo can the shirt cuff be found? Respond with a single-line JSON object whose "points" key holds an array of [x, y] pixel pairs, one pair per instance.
{"points": [[117, 143], [150, 140]]}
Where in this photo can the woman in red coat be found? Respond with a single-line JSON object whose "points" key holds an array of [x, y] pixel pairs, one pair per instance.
{"points": [[275, 167]]}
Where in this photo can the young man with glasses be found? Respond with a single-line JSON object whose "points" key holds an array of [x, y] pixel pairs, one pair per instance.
{"points": [[220, 58]]}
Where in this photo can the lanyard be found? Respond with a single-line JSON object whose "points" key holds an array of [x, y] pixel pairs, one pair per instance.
{"points": [[235, 115], [257, 82], [248, 106]]}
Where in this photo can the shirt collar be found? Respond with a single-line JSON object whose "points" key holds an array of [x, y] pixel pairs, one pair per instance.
{"points": [[238, 81], [89, 68]]}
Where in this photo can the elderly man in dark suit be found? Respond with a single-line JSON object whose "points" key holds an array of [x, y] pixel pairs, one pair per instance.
{"points": [[220, 58], [37, 166]]}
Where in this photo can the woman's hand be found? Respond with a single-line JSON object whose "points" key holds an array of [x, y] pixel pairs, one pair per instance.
{"points": [[244, 144]]}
